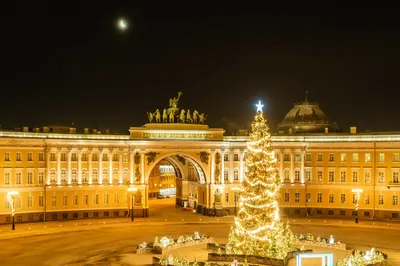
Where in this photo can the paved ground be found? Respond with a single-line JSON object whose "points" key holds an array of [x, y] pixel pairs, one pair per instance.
{"points": [[110, 241]]}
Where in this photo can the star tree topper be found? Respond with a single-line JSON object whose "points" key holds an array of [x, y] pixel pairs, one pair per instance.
{"points": [[259, 106]]}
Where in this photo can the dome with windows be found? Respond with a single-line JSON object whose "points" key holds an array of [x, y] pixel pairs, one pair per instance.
{"points": [[306, 117]]}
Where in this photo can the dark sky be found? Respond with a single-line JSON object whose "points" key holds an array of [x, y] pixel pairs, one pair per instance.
{"points": [[67, 61]]}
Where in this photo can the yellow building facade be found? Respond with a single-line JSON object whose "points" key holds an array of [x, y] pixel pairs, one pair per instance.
{"points": [[68, 175]]}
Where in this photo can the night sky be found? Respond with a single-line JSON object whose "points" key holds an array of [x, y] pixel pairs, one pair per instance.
{"points": [[67, 62]]}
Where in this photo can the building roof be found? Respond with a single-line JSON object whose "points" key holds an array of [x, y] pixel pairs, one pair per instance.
{"points": [[306, 117]]}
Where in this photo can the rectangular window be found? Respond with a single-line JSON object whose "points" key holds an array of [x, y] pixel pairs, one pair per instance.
{"points": [[395, 157], [331, 157], [84, 157], [7, 157], [342, 213], [7, 178], [366, 214], [116, 213], [331, 176], [395, 200], [115, 157], [85, 199], [380, 199], [368, 157], [286, 157], [116, 198], [41, 201], [18, 178], [366, 199], [96, 214], [30, 178], [76, 200], [308, 197], [53, 201], [308, 157], [105, 157], [227, 197], [297, 175], [30, 201], [319, 197], [236, 157], [73, 157], [331, 198], [355, 176], [19, 157], [236, 174], [319, 212], [226, 174], [381, 176], [287, 197], [331, 212], [106, 214], [95, 157], [63, 157], [355, 157], [41, 157], [96, 199], [52, 157], [297, 158], [395, 176], [319, 157], [367, 176], [319, 175], [381, 157], [354, 198], [226, 157], [343, 157], [395, 215], [65, 200], [342, 176], [105, 198], [30, 157], [6, 203], [308, 175], [297, 197], [85, 215], [342, 198], [41, 177], [30, 217], [18, 202]]}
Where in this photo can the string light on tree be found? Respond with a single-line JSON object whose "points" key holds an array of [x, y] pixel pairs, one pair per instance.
{"points": [[258, 229]]}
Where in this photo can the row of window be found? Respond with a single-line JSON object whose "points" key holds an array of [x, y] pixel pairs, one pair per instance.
{"points": [[331, 198], [63, 157], [355, 175], [394, 215], [343, 157], [64, 199]]}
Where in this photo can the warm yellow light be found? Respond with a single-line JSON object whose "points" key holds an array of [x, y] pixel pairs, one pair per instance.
{"points": [[132, 189], [122, 24]]}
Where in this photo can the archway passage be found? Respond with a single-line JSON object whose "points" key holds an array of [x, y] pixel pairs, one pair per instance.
{"points": [[176, 184]]}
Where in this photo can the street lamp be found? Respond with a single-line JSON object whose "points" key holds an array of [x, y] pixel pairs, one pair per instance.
{"points": [[10, 198], [132, 191], [236, 190], [357, 192]]}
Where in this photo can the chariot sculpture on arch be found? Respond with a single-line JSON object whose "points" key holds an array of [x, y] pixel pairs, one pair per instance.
{"points": [[174, 114]]}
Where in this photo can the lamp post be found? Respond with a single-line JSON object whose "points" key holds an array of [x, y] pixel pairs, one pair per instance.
{"points": [[236, 189], [10, 198], [357, 192], [132, 191]]}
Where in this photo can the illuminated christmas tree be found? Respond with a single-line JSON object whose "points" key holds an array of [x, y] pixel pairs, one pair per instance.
{"points": [[258, 229]]}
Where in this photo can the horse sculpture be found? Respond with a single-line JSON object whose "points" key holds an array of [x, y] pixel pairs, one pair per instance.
{"points": [[150, 117], [182, 117], [171, 117], [157, 115], [165, 116], [202, 118], [188, 117]]}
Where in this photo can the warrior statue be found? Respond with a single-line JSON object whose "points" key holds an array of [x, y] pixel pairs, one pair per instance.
{"points": [[188, 117], [165, 116], [195, 116], [182, 116], [173, 103], [157, 116]]}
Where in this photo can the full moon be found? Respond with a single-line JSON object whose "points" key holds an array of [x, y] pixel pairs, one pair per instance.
{"points": [[122, 24]]}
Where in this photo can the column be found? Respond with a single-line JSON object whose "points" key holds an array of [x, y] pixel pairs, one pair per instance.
{"points": [[142, 168], [281, 170], [101, 167], [212, 167], [58, 167], [230, 156], [131, 166], [222, 173], [79, 167], [291, 167], [120, 166], [69, 167], [90, 155], [48, 166], [110, 166], [241, 165], [302, 167]]}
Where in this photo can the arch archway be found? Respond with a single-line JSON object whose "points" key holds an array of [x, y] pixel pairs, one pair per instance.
{"points": [[190, 178]]}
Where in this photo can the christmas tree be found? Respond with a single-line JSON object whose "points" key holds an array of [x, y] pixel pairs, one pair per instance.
{"points": [[258, 230]]}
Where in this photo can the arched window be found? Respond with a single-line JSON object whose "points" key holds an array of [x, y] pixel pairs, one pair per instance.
{"points": [[105, 173], [297, 175], [95, 175], [236, 174], [52, 175], [63, 175], [287, 175], [84, 175], [73, 175], [115, 175], [125, 175]]}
